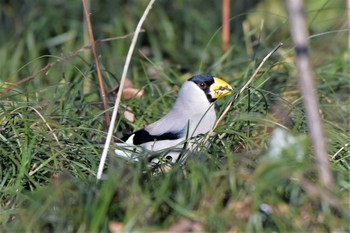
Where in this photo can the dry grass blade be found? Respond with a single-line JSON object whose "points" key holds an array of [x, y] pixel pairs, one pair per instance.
{"points": [[41, 117], [242, 89], [307, 88], [119, 95], [340, 150]]}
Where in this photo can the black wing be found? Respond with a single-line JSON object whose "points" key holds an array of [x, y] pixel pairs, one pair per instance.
{"points": [[143, 136]]}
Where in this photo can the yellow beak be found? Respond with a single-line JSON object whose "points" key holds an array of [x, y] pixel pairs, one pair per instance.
{"points": [[220, 88]]}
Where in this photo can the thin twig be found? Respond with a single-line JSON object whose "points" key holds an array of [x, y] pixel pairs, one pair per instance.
{"points": [[27, 79], [117, 37], [119, 94], [307, 87], [98, 68], [326, 195], [242, 89], [42, 118], [340, 150], [59, 60]]}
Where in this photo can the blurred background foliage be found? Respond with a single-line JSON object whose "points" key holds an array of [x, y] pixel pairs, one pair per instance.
{"points": [[247, 183], [32, 29]]}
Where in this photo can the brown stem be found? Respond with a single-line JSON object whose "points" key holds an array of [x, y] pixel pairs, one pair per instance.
{"points": [[98, 68], [225, 25]]}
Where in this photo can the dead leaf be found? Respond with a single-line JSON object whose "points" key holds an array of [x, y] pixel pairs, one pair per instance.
{"points": [[153, 73], [129, 115], [242, 209], [233, 229], [128, 83], [184, 225], [129, 90], [115, 227]]}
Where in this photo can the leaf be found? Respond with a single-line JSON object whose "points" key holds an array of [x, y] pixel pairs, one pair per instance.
{"points": [[183, 225], [129, 90], [129, 115], [115, 227]]}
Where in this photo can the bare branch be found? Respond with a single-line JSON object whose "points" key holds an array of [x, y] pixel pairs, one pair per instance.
{"points": [[308, 90]]}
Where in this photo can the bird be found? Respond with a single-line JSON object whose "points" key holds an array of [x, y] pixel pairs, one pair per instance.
{"points": [[192, 114]]}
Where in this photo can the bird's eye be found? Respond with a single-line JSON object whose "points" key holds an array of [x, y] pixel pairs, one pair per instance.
{"points": [[202, 85]]}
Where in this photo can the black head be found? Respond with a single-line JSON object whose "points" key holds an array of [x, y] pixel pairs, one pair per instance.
{"points": [[204, 81]]}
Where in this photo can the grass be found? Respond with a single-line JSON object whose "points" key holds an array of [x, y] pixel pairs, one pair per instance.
{"points": [[252, 179]]}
